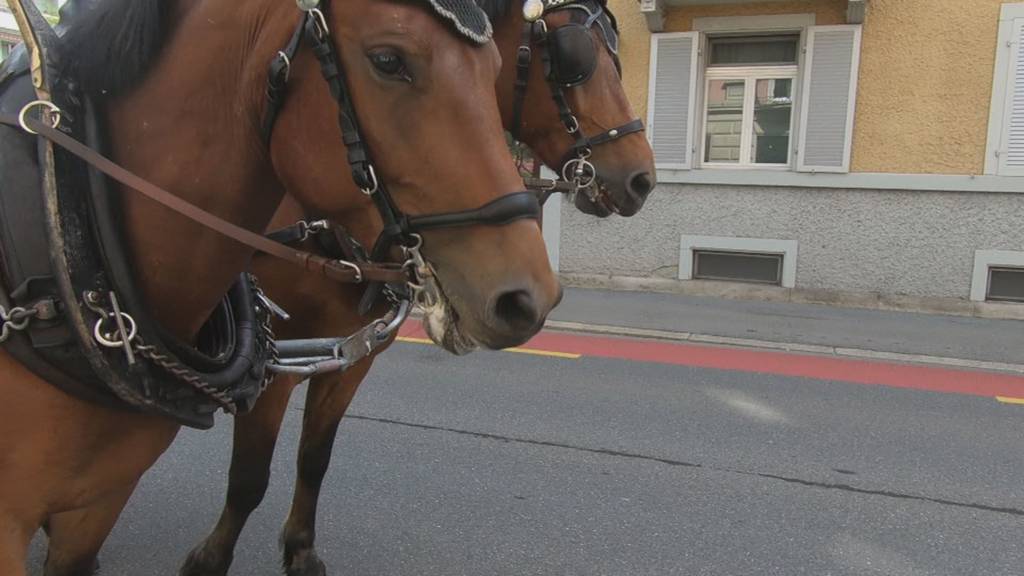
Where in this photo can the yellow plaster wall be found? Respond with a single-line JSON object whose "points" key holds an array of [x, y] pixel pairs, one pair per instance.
{"points": [[925, 86], [925, 75]]}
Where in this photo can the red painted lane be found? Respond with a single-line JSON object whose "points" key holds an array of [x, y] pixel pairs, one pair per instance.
{"points": [[782, 363]]}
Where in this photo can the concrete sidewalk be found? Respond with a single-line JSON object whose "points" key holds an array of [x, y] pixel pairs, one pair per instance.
{"points": [[885, 335]]}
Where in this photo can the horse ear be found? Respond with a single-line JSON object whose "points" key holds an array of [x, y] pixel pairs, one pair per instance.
{"points": [[467, 17]]}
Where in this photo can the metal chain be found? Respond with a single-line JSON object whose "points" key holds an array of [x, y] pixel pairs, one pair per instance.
{"points": [[15, 319], [171, 365], [185, 374]]}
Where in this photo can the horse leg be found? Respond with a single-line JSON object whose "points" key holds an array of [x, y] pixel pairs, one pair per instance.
{"points": [[14, 539], [327, 400], [76, 536], [255, 436]]}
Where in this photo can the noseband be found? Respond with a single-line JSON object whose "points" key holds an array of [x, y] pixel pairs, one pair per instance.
{"points": [[399, 229], [569, 60]]}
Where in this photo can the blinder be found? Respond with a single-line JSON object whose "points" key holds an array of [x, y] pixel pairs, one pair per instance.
{"points": [[573, 57]]}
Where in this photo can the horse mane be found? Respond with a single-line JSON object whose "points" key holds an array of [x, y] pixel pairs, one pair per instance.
{"points": [[495, 9], [110, 44]]}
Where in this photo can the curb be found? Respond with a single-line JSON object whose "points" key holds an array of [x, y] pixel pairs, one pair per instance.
{"points": [[754, 292], [837, 351]]}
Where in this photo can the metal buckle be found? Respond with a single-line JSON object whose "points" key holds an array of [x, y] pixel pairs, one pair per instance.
{"points": [[308, 228], [523, 56], [574, 127], [51, 110], [287, 65], [373, 178], [319, 23], [354, 267]]}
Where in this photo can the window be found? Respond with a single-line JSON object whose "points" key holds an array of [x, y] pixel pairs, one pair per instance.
{"points": [[5, 48], [998, 275], [748, 101], [737, 266], [780, 96], [758, 260], [1005, 284]]}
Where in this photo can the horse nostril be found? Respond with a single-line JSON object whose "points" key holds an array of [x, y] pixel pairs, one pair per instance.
{"points": [[517, 310], [640, 184]]}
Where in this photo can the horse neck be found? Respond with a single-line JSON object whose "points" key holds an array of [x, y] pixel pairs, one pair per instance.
{"points": [[192, 127]]}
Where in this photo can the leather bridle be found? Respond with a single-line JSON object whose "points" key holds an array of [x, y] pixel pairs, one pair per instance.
{"points": [[399, 228], [575, 166]]}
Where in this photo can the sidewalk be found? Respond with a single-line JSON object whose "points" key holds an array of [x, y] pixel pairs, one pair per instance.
{"points": [[884, 335]]}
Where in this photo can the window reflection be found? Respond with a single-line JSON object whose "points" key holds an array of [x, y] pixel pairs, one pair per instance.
{"points": [[773, 109], [725, 120]]}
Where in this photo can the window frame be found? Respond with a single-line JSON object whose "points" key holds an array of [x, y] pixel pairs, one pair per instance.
{"points": [[750, 75], [747, 26]]}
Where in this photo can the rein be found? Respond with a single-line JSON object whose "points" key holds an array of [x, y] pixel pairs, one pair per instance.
{"points": [[399, 228], [309, 261]]}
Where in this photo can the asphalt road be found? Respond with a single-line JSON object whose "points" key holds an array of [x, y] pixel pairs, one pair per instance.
{"points": [[512, 464]]}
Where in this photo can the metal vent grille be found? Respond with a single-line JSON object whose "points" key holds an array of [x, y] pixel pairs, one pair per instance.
{"points": [[737, 266], [1006, 284]]}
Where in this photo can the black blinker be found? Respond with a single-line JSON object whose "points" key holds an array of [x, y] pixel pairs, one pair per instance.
{"points": [[573, 55]]}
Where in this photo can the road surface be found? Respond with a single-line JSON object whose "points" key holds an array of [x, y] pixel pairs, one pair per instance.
{"points": [[596, 456]]}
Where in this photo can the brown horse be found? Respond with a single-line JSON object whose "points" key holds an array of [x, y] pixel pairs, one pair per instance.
{"points": [[184, 86], [318, 310]]}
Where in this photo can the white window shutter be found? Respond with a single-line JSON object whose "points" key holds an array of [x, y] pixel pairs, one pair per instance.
{"points": [[1011, 149], [672, 98], [829, 98]]}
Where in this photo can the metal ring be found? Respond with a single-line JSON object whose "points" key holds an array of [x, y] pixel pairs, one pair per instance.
{"points": [[579, 165], [107, 342], [18, 324], [373, 177], [418, 242], [52, 109]]}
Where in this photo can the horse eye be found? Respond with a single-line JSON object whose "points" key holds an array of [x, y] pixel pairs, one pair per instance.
{"points": [[390, 64]]}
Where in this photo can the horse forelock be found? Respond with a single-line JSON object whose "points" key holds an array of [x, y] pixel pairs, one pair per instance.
{"points": [[110, 44]]}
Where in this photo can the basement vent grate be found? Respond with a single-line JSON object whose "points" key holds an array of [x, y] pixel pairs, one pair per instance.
{"points": [[1005, 284], [751, 267]]}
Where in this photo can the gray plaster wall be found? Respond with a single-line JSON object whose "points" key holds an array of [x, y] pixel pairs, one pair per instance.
{"points": [[885, 242]]}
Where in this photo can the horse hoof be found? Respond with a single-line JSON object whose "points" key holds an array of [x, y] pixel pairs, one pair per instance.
{"points": [[202, 563], [306, 563]]}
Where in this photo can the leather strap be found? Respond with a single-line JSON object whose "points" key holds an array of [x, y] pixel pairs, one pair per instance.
{"points": [[311, 262], [524, 56], [289, 235], [277, 82], [508, 208], [630, 127]]}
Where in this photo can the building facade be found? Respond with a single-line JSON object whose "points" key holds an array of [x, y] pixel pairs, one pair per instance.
{"points": [[869, 152], [9, 34]]}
